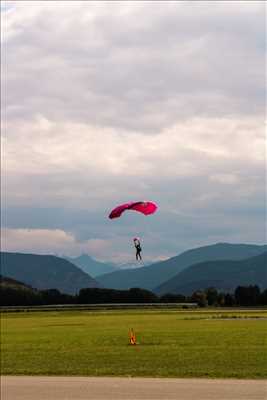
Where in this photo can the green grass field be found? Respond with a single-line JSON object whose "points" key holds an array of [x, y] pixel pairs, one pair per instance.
{"points": [[171, 343]]}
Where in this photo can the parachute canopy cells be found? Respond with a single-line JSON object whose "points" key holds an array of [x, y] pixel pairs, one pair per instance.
{"points": [[145, 207]]}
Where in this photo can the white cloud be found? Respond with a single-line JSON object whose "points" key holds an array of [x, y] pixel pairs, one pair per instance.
{"points": [[189, 148], [50, 241], [56, 241], [228, 179], [42, 241], [42, 143]]}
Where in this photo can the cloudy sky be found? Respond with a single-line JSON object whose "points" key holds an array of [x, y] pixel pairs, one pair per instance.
{"points": [[106, 102]]}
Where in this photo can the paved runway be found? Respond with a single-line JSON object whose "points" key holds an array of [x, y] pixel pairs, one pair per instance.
{"points": [[87, 388]]}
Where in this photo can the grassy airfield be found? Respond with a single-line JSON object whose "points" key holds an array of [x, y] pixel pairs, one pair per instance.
{"points": [[209, 343]]}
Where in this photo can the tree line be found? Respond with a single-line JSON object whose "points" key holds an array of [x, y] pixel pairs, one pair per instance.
{"points": [[242, 296]]}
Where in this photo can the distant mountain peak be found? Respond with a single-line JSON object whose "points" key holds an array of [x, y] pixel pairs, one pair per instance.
{"points": [[91, 266], [84, 256]]}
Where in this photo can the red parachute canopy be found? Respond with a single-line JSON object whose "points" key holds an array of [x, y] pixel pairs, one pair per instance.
{"points": [[145, 207]]}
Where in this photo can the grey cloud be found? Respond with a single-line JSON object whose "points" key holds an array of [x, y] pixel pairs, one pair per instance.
{"points": [[140, 72]]}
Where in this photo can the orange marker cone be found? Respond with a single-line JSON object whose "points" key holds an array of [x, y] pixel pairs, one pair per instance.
{"points": [[132, 337]]}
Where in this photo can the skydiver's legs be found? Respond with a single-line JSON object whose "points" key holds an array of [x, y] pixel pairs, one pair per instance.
{"points": [[138, 255]]}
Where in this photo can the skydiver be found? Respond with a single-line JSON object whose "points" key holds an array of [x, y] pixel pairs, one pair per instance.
{"points": [[137, 245]]}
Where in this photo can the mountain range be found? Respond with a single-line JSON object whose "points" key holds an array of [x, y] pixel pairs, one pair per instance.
{"points": [[222, 265], [224, 275], [45, 272], [152, 276]]}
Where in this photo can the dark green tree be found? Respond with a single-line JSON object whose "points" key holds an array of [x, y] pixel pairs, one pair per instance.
{"points": [[173, 298], [212, 296], [263, 298], [200, 298], [247, 295]]}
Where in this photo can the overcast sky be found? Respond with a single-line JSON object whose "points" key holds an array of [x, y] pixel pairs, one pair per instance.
{"points": [[106, 102]]}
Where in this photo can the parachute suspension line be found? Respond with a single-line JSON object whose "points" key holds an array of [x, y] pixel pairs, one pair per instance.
{"points": [[144, 207]]}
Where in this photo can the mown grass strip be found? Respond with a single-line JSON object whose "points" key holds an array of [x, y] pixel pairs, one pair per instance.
{"points": [[171, 344]]}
